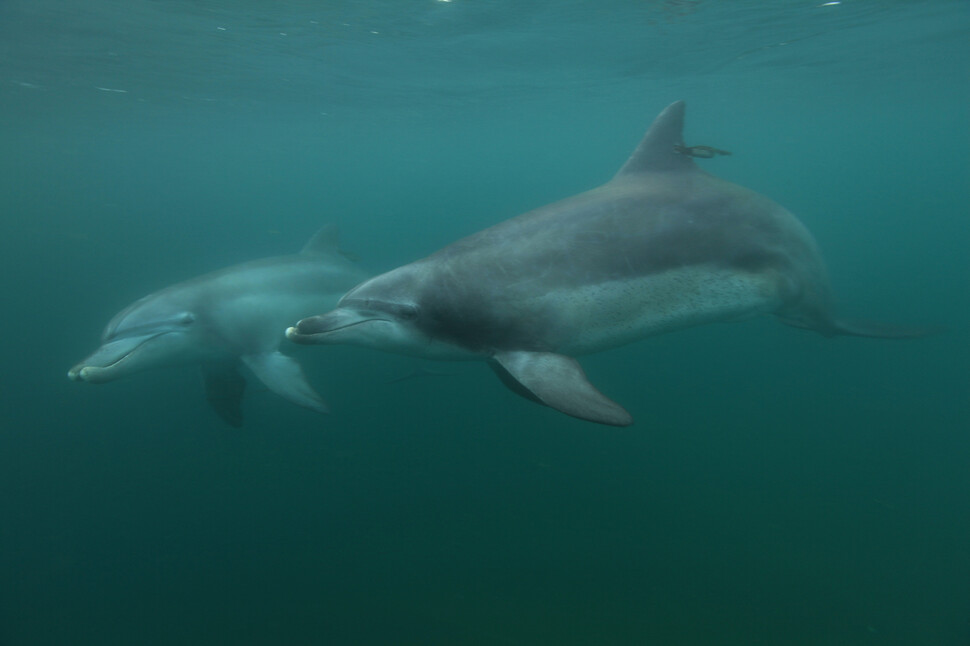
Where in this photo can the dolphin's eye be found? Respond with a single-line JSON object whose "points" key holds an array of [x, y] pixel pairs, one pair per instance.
{"points": [[403, 311], [407, 312], [186, 319]]}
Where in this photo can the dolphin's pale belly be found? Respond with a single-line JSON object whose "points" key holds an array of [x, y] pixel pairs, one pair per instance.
{"points": [[604, 315]]}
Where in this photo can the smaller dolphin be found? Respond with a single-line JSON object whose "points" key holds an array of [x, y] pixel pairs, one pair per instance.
{"points": [[661, 247], [225, 318]]}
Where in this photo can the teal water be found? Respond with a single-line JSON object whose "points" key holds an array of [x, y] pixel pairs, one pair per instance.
{"points": [[778, 488]]}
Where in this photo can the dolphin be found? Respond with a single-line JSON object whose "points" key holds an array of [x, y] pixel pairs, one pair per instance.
{"points": [[226, 318], [660, 247]]}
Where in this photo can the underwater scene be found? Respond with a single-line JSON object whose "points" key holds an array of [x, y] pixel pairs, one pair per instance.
{"points": [[281, 367]]}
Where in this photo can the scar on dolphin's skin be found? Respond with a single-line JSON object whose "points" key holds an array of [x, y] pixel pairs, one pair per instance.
{"points": [[701, 152]]}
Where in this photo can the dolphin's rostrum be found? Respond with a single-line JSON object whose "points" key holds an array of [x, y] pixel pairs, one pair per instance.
{"points": [[660, 247]]}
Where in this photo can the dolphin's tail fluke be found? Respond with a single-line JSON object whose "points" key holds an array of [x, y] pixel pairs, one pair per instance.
{"points": [[841, 327], [881, 330]]}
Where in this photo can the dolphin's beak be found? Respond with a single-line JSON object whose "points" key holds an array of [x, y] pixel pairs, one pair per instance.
{"points": [[318, 329], [90, 374], [108, 362]]}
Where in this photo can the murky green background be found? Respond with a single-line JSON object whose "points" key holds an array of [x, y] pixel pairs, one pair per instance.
{"points": [[778, 488]]}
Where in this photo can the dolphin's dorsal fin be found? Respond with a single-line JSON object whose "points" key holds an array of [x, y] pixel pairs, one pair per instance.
{"points": [[324, 241], [658, 149]]}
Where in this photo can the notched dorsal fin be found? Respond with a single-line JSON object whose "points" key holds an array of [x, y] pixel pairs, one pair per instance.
{"points": [[326, 241], [658, 149]]}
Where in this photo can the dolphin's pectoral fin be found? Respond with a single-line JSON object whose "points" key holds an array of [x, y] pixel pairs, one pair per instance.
{"points": [[559, 382], [283, 375], [224, 388]]}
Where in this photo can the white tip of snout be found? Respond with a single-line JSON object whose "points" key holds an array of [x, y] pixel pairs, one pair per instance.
{"points": [[76, 373], [291, 333], [88, 374]]}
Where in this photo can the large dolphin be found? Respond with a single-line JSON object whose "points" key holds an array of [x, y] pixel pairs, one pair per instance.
{"points": [[226, 318], [660, 247]]}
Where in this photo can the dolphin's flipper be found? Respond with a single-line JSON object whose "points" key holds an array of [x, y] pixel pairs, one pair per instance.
{"points": [[283, 375], [224, 388], [559, 382]]}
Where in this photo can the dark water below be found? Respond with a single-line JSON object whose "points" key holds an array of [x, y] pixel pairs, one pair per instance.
{"points": [[778, 488]]}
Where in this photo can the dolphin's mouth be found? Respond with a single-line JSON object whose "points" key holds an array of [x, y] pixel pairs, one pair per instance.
{"points": [[316, 329], [108, 362]]}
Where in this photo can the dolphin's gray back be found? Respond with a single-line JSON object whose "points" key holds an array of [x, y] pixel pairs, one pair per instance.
{"points": [[628, 228]]}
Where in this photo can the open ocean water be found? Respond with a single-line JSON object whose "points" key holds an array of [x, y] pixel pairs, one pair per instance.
{"points": [[778, 488]]}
